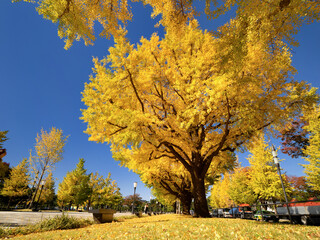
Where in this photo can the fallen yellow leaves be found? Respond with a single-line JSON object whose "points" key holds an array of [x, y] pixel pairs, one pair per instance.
{"points": [[171, 226]]}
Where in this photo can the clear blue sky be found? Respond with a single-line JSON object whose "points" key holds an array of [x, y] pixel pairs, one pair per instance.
{"points": [[41, 85]]}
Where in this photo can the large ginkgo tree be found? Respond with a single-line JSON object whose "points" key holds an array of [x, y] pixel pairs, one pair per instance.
{"points": [[191, 94]]}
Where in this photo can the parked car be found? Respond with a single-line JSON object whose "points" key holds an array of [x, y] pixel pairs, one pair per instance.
{"points": [[267, 216], [214, 213], [242, 211], [224, 212]]}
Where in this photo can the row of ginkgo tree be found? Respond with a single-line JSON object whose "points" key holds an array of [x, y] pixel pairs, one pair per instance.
{"points": [[88, 190], [31, 185], [258, 182], [23, 184]]}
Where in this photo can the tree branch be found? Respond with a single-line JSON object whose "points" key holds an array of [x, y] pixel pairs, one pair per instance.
{"points": [[135, 90]]}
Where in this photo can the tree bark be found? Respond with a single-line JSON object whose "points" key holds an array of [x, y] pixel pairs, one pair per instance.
{"points": [[38, 185], [186, 199], [200, 200], [9, 202], [174, 207]]}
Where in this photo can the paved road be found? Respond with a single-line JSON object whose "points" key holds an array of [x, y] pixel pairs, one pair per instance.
{"points": [[11, 218]]}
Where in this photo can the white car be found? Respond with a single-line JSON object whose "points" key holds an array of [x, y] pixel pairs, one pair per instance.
{"points": [[224, 212]]}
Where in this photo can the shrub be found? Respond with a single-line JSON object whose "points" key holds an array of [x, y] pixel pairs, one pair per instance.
{"points": [[56, 223], [62, 222]]}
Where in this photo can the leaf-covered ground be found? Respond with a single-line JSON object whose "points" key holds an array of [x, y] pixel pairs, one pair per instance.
{"points": [[180, 227]]}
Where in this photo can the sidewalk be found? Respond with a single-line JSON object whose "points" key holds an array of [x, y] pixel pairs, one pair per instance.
{"points": [[12, 218]]}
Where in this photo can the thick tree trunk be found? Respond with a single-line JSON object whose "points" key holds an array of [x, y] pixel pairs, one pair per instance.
{"points": [[174, 207], [186, 199], [200, 200], [89, 204], [9, 202]]}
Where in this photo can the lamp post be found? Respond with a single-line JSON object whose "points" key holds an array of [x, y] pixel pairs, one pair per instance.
{"points": [[42, 184], [150, 206], [276, 161], [134, 195], [157, 207]]}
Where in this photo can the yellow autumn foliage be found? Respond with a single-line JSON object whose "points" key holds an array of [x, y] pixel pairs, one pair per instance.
{"points": [[312, 167], [192, 94]]}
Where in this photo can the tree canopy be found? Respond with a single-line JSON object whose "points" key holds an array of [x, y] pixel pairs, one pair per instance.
{"points": [[294, 138], [220, 197], [3, 137], [104, 192], [264, 179], [239, 189], [75, 189], [191, 96], [301, 191], [48, 151], [16, 185]]}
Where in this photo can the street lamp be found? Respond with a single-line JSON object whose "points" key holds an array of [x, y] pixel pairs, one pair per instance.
{"points": [[276, 161], [150, 206], [134, 195], [157, 207]]}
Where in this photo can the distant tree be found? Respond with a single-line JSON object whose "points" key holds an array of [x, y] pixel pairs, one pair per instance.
{"points": [[168, 180], [48, 151], [164, 198], [4, 172], [264, 179], [81, 184], [96, 185], [128, 200], [104, 192], [65, 191], [240, 190], [75, 189], [301, 191], [4, 168], [175, 186], [294, 138], [220, 197], [3, 137], [111, 193], [48, 192], [16, 186], [312, 152]]}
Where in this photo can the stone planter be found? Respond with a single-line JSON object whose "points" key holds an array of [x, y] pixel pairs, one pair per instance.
{"points": [[138, 214], [102, 215]]}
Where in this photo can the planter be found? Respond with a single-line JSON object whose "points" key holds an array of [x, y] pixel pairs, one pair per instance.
{"points": [[138, 214], [102, 215]]}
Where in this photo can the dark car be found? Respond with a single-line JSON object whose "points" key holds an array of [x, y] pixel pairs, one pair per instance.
{"points": [[267, 216], [242, 211], [214, 213]]}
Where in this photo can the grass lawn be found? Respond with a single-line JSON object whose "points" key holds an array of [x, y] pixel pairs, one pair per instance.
{"points": [[181, 227]]}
